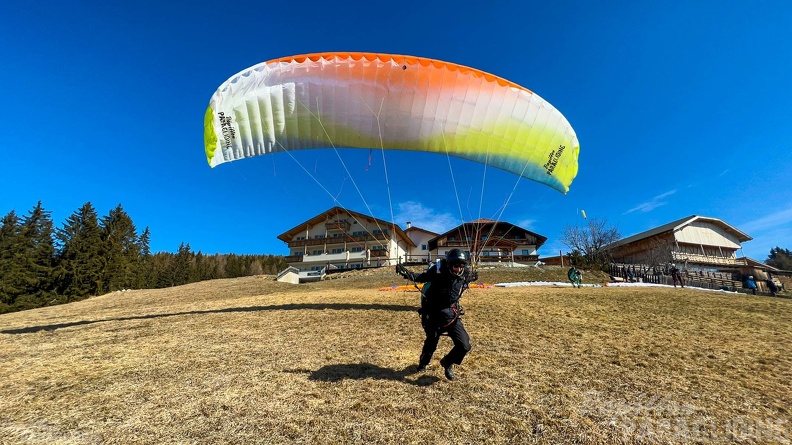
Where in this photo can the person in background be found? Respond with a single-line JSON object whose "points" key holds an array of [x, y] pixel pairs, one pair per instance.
{"points": [[771, 285], [676, 276], [575, 276], [751, 284]]}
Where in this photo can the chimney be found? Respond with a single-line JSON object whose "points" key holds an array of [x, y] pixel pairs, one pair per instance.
{"points": [[409, 224]]}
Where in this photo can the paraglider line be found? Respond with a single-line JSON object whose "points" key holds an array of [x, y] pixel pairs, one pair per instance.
{"points": [[338, 155]]}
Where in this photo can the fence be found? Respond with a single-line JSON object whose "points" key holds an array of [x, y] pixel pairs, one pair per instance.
{"points": [[728, 281], [659, 275]]}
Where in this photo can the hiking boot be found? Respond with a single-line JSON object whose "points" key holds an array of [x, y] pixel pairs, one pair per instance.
{"points": [[423, 362], [449, 368]]}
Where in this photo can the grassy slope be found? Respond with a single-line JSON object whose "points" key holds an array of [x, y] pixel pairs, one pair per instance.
{"points": [[254, 361]]}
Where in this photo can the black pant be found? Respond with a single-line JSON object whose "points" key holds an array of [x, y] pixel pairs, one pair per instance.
{"points": [[458, 335]]}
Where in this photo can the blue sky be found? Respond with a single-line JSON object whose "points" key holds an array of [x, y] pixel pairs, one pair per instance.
{"points": [[680, 107]]}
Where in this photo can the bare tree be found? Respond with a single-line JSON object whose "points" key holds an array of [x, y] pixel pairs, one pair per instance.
{"points": [[591, 240], [659, 253]]}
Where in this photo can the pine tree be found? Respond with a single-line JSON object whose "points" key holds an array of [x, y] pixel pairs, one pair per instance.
{"points": [[144, 274], [204, 268], [162, 270], [274, 264], [12, 277], [234, 267], [780, 258], [122, 250], [39, 259], [181, 265], [81, 256]]}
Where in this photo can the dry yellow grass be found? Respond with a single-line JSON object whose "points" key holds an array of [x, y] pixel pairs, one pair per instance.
{"points": [[254, 361]]}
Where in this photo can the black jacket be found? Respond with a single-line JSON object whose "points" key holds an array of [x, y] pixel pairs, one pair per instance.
{"points": [[443, 289]]}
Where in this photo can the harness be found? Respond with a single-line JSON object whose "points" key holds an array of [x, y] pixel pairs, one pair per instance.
{"points": [[425, 314]]}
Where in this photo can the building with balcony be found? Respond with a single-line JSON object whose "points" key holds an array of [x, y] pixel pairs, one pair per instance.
{"points": [[699, 242], [343, 239], [488, 241]]}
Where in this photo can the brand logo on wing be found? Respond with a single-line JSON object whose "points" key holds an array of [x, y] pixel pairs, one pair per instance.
{"points": [[552, 159], [227, 128]]}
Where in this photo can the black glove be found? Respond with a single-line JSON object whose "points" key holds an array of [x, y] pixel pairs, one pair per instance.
{"points": [[401, 270]]}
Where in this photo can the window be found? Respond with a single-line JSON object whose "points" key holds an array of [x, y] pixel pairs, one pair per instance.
{"points": [[297, 253], [423, 247], [484, 238], [318, 236], [339, 250], [317, 252], [525, 252], [356, 249]]}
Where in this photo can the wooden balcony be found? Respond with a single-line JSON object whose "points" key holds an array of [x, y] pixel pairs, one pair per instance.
{"points": [[338, 240], [707, 259], [379, 253], [526, 258], [493, 241], [504, 258], [507, 258], [307, 242], [447, 243], [338, 225], [346, 256]]}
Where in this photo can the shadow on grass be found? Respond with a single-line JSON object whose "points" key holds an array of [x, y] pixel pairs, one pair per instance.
{"points": [[281, 307], [360, 371]]}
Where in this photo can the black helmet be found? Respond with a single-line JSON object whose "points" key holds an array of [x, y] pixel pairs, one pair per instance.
{"points": [[456, 256]]}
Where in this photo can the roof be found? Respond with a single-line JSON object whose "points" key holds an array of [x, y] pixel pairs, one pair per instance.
{"points": [[483, 222], [759, 265], [289, 235], [678, 224], [413, 229]]}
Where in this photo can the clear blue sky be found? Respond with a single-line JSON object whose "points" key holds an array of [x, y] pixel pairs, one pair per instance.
{"points": [[680, 107]]}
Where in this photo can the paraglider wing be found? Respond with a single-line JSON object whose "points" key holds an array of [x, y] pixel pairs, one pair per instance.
{"points": [[365, 100]]}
